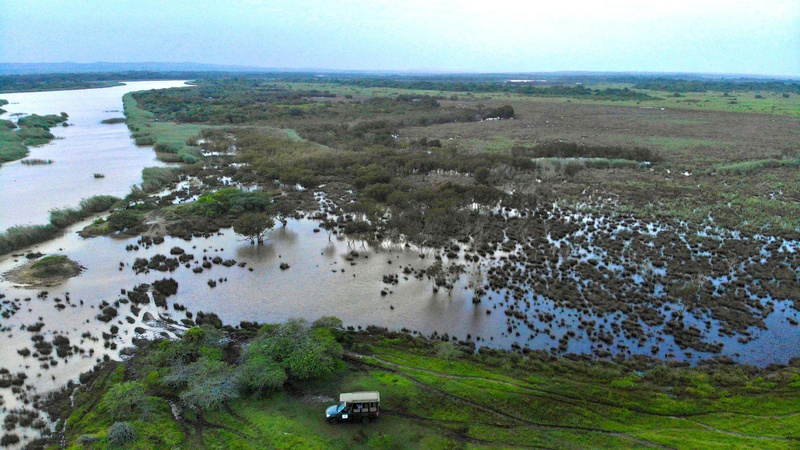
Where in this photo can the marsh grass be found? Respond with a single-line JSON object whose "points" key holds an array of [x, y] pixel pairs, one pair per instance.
{"points": [[21, 236], [749, 167], [33, 130]]}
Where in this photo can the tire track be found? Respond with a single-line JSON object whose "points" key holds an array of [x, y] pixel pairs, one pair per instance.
{"points": [[357, 359]]}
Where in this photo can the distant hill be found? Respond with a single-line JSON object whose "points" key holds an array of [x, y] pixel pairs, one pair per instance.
{"points": [[95, 67]]}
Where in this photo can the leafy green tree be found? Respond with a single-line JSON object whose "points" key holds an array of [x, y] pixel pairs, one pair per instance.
{"points": [[292, 350], [253, 226]]}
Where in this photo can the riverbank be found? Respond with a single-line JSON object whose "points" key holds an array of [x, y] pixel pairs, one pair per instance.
{"points": [[440, 394]]}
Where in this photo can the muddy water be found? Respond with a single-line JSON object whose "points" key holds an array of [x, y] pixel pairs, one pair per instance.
{"points": [[321, 280], [79, 151]]}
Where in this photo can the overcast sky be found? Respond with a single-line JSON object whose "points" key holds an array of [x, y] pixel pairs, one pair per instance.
{"points": [[716, 36]]}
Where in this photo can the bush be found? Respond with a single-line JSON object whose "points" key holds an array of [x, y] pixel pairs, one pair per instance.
{"points": [[154, 178], [124, 219], [121, 433], [126, 401], [206, 383], [144, 140]]}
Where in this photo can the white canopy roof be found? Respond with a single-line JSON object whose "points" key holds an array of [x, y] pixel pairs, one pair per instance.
{"points": [[354, 397]]}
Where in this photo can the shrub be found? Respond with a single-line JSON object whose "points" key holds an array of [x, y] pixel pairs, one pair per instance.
{"points": [[205, 383], [121, 433], [126, 401], [154, 178], [144, 140], [124, 220]]}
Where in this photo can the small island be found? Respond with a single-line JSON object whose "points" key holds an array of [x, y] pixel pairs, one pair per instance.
{"points": [[50, 270]]}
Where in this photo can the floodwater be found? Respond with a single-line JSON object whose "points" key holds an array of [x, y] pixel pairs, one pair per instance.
{"points": [[79, 151]]}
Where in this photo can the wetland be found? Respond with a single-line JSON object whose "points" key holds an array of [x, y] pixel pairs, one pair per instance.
{"points": [[508, 222]]}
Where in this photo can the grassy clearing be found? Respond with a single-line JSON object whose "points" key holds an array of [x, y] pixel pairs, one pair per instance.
{"points": [[172, 142], [487, 400]]}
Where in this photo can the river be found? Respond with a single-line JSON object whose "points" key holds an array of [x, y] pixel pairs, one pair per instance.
{"points": [[79, 151]]}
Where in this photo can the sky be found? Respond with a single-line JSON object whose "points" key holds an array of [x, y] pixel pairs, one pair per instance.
{"points": [[701, 36]]}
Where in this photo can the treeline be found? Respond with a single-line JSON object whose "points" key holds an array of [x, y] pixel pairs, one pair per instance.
{"points": [[572, 150], [65, 81], [575, 91], [680, 85], [350, 123]]}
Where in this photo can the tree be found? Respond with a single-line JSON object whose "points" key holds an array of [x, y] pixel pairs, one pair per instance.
{"points": [[292, 350], [282, 211], [444, 277], [253, 226], [205, 383]]}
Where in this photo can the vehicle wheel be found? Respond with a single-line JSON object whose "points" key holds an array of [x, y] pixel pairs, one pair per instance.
{"points": [[365, 420], [333, 421]]}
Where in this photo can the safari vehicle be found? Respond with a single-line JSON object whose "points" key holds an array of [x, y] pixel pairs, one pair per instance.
{"points": [[355, 407]]}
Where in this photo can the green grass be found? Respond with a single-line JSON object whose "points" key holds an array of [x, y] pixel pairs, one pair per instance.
{"points": [[176, 140], [497, 144], [50, 261], [671, 144]]}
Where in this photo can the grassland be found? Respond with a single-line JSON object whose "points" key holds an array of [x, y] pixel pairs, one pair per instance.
{"points": [[441, 395], [740, 102]]}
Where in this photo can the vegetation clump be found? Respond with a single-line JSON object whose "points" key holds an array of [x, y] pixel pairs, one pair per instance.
{"points": [[29, 131]]}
